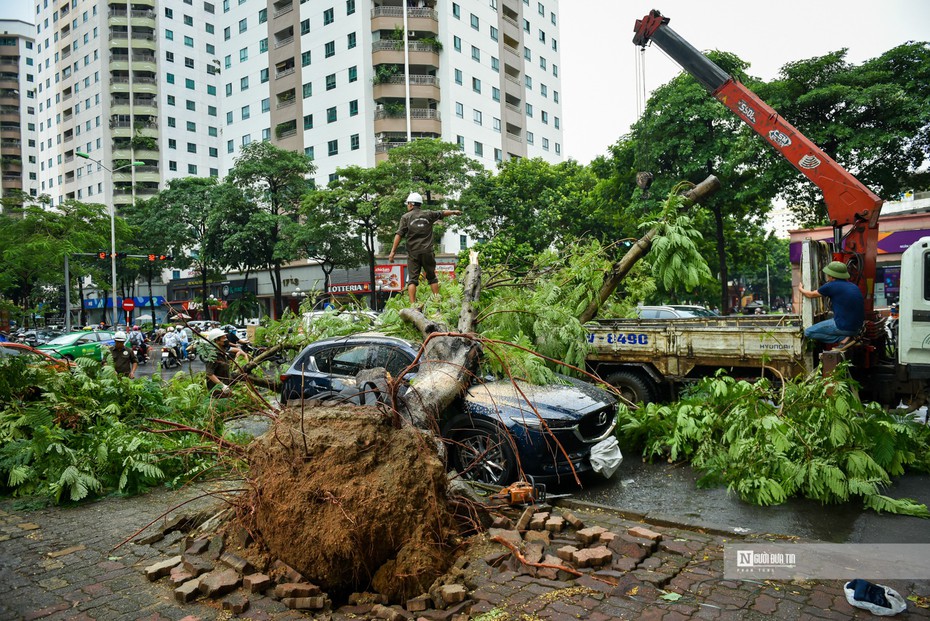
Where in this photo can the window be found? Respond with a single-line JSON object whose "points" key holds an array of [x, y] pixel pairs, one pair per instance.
{"points": [[212, 131], [497, 125], [456, 11], [328, 17], [263, 16], [542, 9], [211, 110], [308, 121], [476, 85], [191, 147], [494, 34], [529, 110], [457, 44], [188, 20], [350, 40], [189, 41], [308, 89], [305, 26], [558, 148], [169, 35], [308, 151], [331, 81], [479, 149], [229, 118], [243, 54], [495, 93], [459, 110], [474, 22], [266, 104], [542, 36], [350, 7], [263, 75], [460, 140], [331, 115], [556, 121], [526, 25], [172, 122], [229, 90], [245, 112], [227, 61], [209, 8], [477, 117], [172, 165], [555, 96], [545, 117], [191, 126], [169, 78], [304, 59], [496, 64], [354, 142], [243, 25], [263, 45], [458, 77], [353, 73], [211, 49], [333, 147], [329, 49], [475, 53], [192, 169], [353, 107], [244, 83], [170, 100], [527, 54], [528, 81], [529, 138], [189, 63], [227, 33], [230, 146], [247, 139], [552, 16], [498, 157], [169, 13], [543, 90], [555, 45], [266, 134], [545, 144], [169, 56], [555, 70]]}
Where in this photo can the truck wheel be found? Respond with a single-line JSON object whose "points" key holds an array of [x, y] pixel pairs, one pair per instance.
{"points": [[633, 387]]}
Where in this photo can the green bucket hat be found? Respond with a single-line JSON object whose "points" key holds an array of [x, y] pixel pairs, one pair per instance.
{"points": [[837, 269]]}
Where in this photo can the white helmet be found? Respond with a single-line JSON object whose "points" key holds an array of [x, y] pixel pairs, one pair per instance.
{"points": [[119, 336], [170, 328], [414, 197], [214, 334]]}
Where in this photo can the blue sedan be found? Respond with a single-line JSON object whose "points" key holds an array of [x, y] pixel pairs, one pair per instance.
{"points": [[492, 434]]}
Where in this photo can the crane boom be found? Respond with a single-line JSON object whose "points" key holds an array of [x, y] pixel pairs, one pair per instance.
{"points": [[849, 202]]}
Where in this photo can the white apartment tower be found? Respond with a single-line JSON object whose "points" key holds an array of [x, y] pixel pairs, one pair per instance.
{"points": [[17, 109], [332, 81], [125, 82], [182, 85]]}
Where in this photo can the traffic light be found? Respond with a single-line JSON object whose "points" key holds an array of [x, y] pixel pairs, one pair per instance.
{"points": [[121, 255], [103, 255], [160, 257]]}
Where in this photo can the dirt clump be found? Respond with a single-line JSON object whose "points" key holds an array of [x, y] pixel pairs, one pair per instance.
{"points": [[350, 502]]}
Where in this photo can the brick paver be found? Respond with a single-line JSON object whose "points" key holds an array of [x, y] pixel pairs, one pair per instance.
{"points": [[59, 563]]}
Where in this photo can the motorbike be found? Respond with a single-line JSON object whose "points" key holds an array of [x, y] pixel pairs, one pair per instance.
{"points": [[169, 358], [141, 354]]}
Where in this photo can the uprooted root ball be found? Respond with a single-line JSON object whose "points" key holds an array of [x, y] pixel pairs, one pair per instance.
{"points": [[351, 502]]}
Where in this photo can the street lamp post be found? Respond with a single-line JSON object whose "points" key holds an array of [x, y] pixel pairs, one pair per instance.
{"points": [[112, 225]]}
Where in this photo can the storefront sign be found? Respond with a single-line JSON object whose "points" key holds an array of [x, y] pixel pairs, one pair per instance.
{"points": [[389, 277], [350, 287]]}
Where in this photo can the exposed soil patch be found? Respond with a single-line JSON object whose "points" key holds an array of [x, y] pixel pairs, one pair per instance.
{"points": [[350, 502]]}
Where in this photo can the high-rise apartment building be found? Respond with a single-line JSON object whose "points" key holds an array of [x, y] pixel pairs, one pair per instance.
{"points": [[333, 77], [158, 89], [17, 108]]}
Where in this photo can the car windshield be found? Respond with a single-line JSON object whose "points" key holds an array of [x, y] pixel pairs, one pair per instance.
{"points": [[693, 311], [66, 339]]}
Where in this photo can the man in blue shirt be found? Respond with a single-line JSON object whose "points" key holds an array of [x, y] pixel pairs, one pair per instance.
{"points": [[847, 303]]}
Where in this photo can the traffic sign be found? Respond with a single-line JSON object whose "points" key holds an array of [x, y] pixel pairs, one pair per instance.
{"points": [[128, 304]]}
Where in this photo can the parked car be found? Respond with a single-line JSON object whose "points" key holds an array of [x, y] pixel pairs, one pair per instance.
{"points": [[32, 355], [79, 344], [675, 311], [476, 428]]}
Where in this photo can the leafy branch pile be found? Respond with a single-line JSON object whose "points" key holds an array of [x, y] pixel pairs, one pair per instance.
{"points": [[811, 437], [85, 433]]}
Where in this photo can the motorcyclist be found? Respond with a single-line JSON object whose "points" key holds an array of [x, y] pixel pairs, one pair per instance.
{"points": [[182, 342], [137, 340], [171, 342]]}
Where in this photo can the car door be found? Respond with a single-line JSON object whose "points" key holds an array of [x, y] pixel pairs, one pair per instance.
{"points": [[87, 346], [331, 369]]}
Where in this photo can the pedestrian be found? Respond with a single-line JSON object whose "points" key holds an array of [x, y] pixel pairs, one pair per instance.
{"points": [[417, 227], [847, 302], [124, 361]]}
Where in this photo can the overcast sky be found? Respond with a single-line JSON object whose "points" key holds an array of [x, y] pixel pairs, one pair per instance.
{"points": [[599, 59]]}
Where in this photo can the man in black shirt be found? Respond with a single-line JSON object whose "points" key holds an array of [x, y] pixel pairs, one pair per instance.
{"points": [[417, 226]]}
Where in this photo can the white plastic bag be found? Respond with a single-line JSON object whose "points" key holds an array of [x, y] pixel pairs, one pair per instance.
{"points": [[606, 457], [895, 600]]}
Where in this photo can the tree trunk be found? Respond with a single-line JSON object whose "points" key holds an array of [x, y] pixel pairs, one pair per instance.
{"points": [[275, 274], [81, 313], [447, 362], [622, 267], [722, 261]]}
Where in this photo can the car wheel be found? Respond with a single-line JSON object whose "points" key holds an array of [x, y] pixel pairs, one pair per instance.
{"points": [[483, 454], [633, 387]]}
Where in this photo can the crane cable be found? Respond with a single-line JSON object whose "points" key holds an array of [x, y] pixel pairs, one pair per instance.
{"points": [[640, 64]]}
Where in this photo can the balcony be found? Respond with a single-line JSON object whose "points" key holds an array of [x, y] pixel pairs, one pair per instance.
{"points": [[285, 103], [282, 9], [422, 120], [421, 87], [282, 42], [389, 17], [390, 52], [284, 73]]}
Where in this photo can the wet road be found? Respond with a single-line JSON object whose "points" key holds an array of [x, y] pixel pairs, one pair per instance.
{"points": [[664, 489]]}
